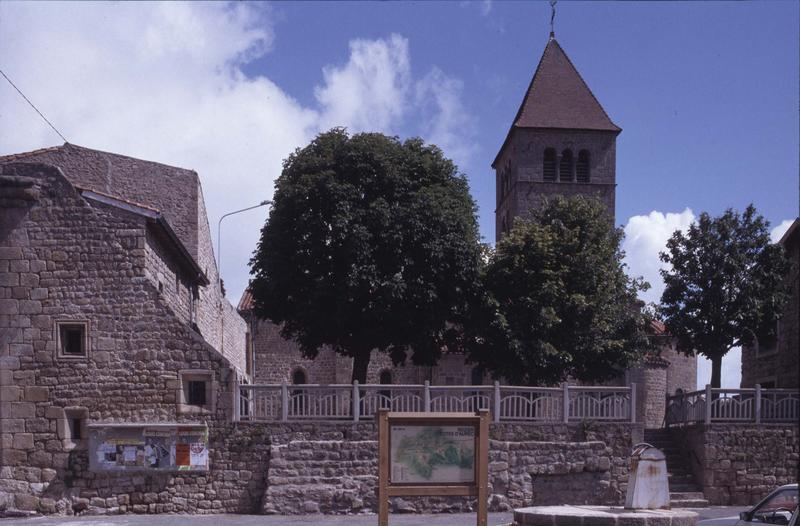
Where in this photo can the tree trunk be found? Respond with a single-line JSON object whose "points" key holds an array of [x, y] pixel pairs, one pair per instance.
{"points": [[716, 371], [360, 365]]}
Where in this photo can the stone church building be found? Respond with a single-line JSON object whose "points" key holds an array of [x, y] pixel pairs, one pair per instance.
{"points": [[561, 142], [121, 361]]}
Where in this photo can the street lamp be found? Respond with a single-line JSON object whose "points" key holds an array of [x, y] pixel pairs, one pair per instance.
{"points": [[219, 269], [219, 237]]}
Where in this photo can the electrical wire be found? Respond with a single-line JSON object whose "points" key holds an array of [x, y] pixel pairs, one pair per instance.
{"points": [[32, 106]]}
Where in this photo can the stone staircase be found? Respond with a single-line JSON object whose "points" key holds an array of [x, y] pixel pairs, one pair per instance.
{"points": [[684, 491]]}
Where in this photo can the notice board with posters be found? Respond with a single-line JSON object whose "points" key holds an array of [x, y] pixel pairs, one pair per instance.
{"points": [[148, 447]]}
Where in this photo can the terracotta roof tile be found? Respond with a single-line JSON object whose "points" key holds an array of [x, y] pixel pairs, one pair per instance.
{"points": [[558, 97], [246, 302]]}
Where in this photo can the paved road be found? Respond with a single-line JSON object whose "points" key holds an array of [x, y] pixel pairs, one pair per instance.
{"points": [[455, 519], [720, 515], [714, 516]]}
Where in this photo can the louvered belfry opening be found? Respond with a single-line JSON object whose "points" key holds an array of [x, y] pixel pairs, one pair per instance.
{"points": [[565, 168], [582, 167], [549, 166]]}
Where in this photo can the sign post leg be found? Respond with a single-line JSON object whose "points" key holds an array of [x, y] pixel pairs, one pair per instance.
{"points": [[482, 467], [383, 467]]}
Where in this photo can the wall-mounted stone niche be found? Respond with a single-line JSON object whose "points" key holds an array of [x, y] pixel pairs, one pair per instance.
{"points": [[148, 447]]}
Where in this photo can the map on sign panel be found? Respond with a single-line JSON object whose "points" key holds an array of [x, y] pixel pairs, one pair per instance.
{"points": [[432, 454]]}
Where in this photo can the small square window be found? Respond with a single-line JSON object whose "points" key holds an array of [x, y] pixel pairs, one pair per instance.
{"points": [[196, 392], [72, 427], [75, 429], [72, 340]]}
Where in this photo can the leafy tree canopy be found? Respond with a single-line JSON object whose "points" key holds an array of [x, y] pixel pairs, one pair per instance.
{"points": [[558, 302], [725, 287], [371, 243]]}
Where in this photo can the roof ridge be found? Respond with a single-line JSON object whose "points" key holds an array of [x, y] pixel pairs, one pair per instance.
{"points": [[139, 159], [15, 156], [585, 84], [66, 145], [558, 98], [530, 84]]}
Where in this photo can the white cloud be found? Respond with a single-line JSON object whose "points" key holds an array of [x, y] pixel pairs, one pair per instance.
{"points": [[448, 124], [777, 233], [370, 92], [164, 82], [645, 237], [484, 6]]}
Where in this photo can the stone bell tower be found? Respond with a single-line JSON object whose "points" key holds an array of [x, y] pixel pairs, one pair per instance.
{"points": [[561, 142]]}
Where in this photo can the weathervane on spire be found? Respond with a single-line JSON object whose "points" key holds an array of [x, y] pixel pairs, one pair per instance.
{"points": [[552, 18]]}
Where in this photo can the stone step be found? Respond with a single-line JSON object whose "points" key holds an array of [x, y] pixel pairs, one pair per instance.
{"points": [[700, 503], [686, 495], [678, 475], [678, 472], [684, 488], [677, 466]]}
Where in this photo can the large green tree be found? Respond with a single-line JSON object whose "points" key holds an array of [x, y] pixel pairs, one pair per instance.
{"points": [[725, 285], [558, 302], [371, 244]]}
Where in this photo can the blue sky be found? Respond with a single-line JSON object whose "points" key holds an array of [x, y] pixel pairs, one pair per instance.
{"points": [[706, 94]]}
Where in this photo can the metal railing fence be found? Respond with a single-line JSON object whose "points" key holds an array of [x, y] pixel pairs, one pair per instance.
{"points": [[284, 403], [712, 405]]}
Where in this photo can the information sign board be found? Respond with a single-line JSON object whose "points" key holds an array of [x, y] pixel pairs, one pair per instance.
{"points": [[430, 454]]}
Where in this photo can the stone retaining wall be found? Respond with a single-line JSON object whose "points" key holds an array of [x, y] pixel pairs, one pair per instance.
{"points": [[333, 468], [738, 464]]}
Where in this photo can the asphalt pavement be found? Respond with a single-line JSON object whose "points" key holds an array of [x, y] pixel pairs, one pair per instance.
{"points": [[713, 516]]}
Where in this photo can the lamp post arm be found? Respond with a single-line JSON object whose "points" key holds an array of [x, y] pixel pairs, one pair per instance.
{"points": [[219, 237]]}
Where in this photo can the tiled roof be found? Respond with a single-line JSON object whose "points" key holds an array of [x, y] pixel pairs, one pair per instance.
{"points": [[559, 98], [246, 302], [172, 191], [658, 328]]}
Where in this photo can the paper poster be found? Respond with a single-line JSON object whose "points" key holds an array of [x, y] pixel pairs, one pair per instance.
{"points": [[129, 454], [198, 454], [182, 455], [148, 448]]}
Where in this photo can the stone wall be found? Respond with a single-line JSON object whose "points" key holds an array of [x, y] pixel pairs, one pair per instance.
{"points": [[276, 359], [738, 464], [682, 370], [174, 192], [332, 468], [63, 258], [777, 364], [522, 157], [162, 269], [651, 383]]}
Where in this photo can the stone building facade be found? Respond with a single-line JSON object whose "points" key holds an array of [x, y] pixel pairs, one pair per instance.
{"points": [[777, 364], [277, 360], [660, 375], [110, 313]]}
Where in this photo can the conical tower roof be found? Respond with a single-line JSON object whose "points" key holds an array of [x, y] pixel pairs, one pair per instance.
{"points": [[559, 98]]}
